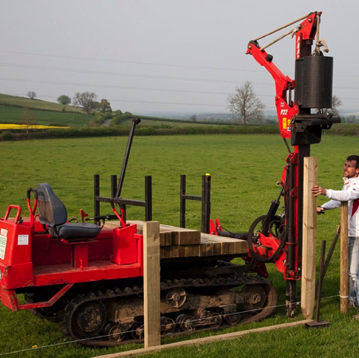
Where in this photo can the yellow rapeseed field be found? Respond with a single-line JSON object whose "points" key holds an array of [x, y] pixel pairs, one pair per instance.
{"points": [[25, 126]]}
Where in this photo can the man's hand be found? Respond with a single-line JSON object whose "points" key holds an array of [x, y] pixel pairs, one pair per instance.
{"points": [[317, 190]]}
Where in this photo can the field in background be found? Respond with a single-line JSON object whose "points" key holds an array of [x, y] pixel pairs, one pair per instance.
{"points": [[13, 114], [244, 169], [12, 110], [23, 110], [36, 104]]}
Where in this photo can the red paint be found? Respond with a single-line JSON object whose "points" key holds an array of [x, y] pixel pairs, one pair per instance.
{"points": [[32, 258]]}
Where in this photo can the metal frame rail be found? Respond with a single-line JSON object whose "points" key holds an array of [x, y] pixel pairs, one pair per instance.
{"points": [[205, 199], [147, 203]]}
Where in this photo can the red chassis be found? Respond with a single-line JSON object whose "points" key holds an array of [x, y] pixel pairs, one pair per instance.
{"points": [[29, 257]]}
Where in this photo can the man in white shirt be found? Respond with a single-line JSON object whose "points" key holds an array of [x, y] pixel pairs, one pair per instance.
{"points": [[350, 193]]}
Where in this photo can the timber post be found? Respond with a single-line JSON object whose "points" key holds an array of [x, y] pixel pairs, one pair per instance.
{"points": [[310, 175], [151, 283], [344, 257]]}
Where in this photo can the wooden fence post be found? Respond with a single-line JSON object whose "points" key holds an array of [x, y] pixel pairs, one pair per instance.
{"points": [[344, 257], [151, 283], [310, 175]]}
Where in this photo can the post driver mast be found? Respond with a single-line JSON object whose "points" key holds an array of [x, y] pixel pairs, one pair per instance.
{"points": [[301, 120]]}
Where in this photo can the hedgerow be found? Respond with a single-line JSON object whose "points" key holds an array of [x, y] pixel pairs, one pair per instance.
{"points": [[341, 129], [145, 130]]}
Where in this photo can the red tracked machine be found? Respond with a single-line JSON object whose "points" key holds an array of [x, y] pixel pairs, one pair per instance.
{"points": [[88, 277]]}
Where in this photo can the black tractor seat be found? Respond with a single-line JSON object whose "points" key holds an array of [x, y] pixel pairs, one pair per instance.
{"points": [[53, 214]]}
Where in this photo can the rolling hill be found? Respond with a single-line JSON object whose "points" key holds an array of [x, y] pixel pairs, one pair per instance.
{"points": [[24, 110]]}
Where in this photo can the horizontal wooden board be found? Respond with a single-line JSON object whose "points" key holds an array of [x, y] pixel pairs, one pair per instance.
{"points": [[228, 245], [179, 242], [182, 236], [169, 235]]}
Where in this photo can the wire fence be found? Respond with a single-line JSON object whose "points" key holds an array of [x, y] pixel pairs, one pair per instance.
{"points": [[139, 330]]}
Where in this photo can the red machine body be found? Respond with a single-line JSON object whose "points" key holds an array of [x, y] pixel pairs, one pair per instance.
{"points": [[38, 260]]}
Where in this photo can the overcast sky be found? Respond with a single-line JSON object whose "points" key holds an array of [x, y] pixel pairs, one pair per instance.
{"points": [[163, 55]]}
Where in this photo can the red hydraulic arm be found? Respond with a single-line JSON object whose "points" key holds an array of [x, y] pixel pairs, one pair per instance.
{"points": [[286, 109]]}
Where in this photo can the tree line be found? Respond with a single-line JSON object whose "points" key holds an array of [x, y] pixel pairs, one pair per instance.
{"points": [[88, 101]]}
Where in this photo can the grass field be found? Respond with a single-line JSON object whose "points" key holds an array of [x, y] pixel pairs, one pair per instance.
{"points": [[244, 169]]}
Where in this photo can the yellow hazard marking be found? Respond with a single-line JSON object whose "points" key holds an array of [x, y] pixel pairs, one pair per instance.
{"points": [[284, 123]]}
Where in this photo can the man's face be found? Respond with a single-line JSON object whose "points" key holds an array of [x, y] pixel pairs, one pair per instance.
{"points": [[349, 169]]}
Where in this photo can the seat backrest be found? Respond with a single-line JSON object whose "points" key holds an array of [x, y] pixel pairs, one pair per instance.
{"points": [[52, 211]]}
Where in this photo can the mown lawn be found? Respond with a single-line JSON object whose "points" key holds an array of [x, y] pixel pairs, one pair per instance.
{"points": [[244, 169]]}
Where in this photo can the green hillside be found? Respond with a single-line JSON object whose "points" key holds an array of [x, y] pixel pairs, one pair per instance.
{"points": [[36, 104], [24, 110], [10, 114]]}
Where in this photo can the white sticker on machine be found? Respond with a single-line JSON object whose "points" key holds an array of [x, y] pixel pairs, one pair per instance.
{"points": [[23, 240], [3, 240]]}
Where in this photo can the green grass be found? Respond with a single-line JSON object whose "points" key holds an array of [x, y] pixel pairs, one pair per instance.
{"points": [[244, 169]]}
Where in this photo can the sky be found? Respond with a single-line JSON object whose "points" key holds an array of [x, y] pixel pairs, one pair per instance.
{"points": [[159, 56]]}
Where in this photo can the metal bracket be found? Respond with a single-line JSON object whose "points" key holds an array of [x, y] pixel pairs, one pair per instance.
{"points": [[307, 129]]}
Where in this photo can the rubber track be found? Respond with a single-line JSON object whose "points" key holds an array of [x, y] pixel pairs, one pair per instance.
{"points": [[167, 284]]}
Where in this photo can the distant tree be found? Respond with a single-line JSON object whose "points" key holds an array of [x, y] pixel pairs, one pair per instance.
{"points": [[193, 118], [86, 100], [104, 106], [336, 102], [31, 94], [27, 118], [245, 106], [349, 119], [97, 120], [63, 99], [127, 114], [117, 118]]}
